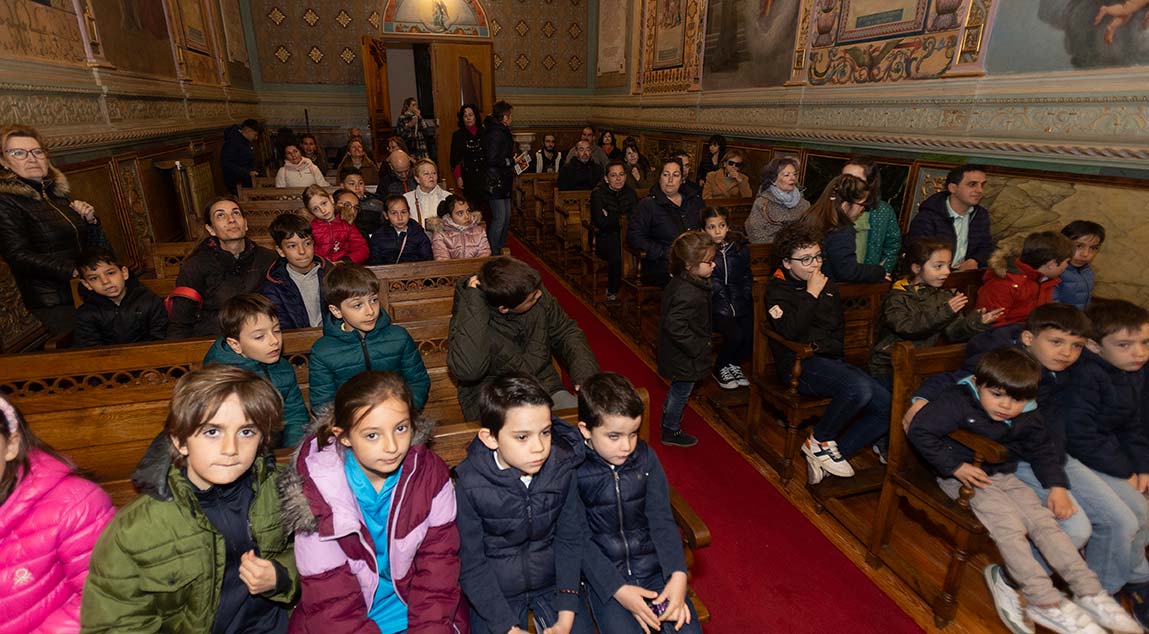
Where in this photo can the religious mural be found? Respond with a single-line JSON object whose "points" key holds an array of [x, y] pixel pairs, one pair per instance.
{"points": [[749, 43], [438, 17], [1056, 35]]}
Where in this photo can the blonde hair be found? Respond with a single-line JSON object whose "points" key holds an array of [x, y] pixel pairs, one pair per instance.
{"points": [[16, 129], [423, 162]]}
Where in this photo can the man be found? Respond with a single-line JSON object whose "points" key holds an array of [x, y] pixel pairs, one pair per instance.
{"points": [[687, 184], [399, 180], [581, 173], [499, 156], [596, 153], [237, 159], [954, 214], [548, 159]]}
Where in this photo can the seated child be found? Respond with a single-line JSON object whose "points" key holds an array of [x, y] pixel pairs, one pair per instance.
{"points": [[400, 239], [459, 235], [251, 339], [50, 518], [732, 298], [522, 526], [373, 511], [358, 335], [203, 547], [635, 548], [1076, 285], [503, 320], [119, 309], [802, 305], [997, 403], [370, 214], [294, 281], [1020, 281], [425, 199], [334, 238]]}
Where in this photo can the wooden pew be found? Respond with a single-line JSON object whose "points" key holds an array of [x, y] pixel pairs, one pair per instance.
{"points": [[570, 208], [162, 287], [737, 208], [249, 194], [540, 220]]}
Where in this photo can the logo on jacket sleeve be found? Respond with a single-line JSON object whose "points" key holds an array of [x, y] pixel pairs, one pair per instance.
{"points": [[775, 311]]}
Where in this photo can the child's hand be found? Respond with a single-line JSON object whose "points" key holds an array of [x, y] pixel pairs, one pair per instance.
{"points": [[257, 574], [516, 630], [991, 315], [972, 476], [1140, 481], [908, 417], [968, 265], [633, 598], [1060, 504], [473, 282], [816, 283], [675, 594], [958, 302], [563, 625]]}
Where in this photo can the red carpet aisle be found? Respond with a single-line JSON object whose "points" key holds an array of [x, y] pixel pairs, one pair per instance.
{"points": [[768, 569]]}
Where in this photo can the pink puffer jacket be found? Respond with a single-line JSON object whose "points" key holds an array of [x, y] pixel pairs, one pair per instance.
{"points": [[48, 527]]}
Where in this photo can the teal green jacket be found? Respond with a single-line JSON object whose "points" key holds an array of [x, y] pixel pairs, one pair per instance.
{"points": [[884, 242], [282, 376]]}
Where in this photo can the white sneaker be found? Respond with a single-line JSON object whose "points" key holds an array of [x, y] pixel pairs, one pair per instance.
{"points": [[814, 471], [1108, 613], [828, 457], [726, 379], [1007, 601], [1065, 618], [739, 376]]}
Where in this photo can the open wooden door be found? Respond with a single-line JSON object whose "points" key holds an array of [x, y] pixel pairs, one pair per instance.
{"points": [[462, 73], [374, 56]]}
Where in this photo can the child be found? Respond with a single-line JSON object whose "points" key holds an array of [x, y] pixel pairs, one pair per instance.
{"points": [[334, 238], [918, 309], [996, 402], [802, 305], [635, 549], [203, 548], [253, 341], [50, 519], [1020, 282], [522, 526], [373, 511], [358, 335], [400, 239], [293, 282], [370, 214], [460, 235], [610, 201], [503, 320], [1076, 285], [426, 198], [732, 298], [119, 309], [684, 350]]}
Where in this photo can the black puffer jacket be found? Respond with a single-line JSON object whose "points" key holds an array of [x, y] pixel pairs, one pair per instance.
{"points": [[732, 282], [141, 316], [684, 349], [654, 225], [217, 276], [40, 237], [799, 316], [237, 158], [499, 158], [1104, 419]]}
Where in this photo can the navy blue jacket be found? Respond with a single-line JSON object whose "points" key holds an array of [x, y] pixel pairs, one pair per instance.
{"points": [[632, 529], [385, 244], [841, 264], [236, 159], [282, 291], [140, 316], [1102, 408], [1076, 286], [731, 283], [933, 220], [654, 224], [958, 407], [517, 540]]}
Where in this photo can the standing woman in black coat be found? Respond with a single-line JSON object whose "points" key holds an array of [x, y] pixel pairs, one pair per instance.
{"points": [[832, 217], [499, 152], [661, 217], [42, 230], [467, 153]]}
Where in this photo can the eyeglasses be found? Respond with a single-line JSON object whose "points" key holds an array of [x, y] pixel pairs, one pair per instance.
{"points": [[349, 206], [734, 163], [809, 259], [20, 154]]}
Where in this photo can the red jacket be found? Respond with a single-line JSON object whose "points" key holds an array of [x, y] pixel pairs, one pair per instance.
{"points": [[337, 240], [1018, 288]]}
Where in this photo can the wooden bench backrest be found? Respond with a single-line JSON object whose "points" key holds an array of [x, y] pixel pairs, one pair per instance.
{"points": [[249, 194], [422, 290], [160, 286], [911, 367], [737, 208]]}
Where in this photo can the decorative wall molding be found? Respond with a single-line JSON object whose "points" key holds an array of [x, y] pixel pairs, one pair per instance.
{"points": [[687, 76]]}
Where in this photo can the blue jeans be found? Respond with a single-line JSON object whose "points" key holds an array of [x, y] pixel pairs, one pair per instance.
{"points": [[677, 396], [500, 223], [1076, 526], [612, 618], [1120, 518], [541, 606], [853, 394]]}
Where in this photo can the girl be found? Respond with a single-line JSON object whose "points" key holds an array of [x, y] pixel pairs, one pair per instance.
{"points": [[373, 511], [832, 218], [334, 238], [918, 309], [713, 157], [400, 238], [733, 312], [298, 170], [312, 150], [413, 129], [460, 235], [684, 354], [49, 521]]}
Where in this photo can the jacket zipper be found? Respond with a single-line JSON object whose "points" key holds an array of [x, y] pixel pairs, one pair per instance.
{"points": [[75, 230], [621, 527], [527, 545], [726, 281], [366, 356]]}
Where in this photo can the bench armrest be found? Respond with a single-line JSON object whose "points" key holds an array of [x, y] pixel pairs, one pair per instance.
{"points": [[695, 532], [984, 450], [60, 341]]}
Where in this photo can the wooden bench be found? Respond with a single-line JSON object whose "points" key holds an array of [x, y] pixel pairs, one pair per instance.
{"points": [[541, 220], [249, 194], [162, 287], [570, 208]]}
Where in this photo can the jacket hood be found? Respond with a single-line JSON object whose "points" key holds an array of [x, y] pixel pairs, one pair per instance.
{"points": [[234, 134], [971, 390], [277, 272], [333, 327], [56, 184], [1003, 260], [220, 352]]}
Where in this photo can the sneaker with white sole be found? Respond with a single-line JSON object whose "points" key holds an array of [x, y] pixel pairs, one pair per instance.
{"points": [[1064, 618], [1108, 613], [814, 471], [726, 379], [739, 376], [1007, 601], [828, 457]]}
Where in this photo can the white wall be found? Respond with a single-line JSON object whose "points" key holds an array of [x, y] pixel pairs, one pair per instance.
{"points": [[400, 77]]}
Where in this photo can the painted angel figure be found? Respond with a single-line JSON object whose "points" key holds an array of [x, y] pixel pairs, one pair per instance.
{"points": [[1119, 15]]}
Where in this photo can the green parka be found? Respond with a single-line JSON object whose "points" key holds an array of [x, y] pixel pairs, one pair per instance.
{"points": [[282, 377], [919, 313]]}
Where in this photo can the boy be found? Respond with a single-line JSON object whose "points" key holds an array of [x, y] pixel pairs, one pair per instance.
{"points": [[997, 403], [504, 320], [251, 339], [1077, 280], [119, 310], [637, 559], [358, 335], [425, 198], [1019, 283], [203, 548], [400, 238], [293, 282], [522, 526], [370, 214]]}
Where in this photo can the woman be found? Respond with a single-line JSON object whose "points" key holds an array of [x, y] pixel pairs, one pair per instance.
{"points": [[42, 229], [638, 173], [313, 151], [728, 182], [298, 170], [879, 236], [712, 160], [394, 143], [357, 157], [779, 201], [467, 153], [413, 129], [606, 143], [660, 218], [833, 217]]}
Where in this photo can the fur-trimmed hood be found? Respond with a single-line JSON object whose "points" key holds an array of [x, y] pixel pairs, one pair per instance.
{"points": [[1003, 260], [13, 185]]}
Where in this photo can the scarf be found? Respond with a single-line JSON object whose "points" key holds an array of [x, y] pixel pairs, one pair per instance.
{"points": [[789, 200]]}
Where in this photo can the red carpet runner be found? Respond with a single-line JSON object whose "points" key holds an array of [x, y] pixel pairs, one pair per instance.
{"points": [[768, 569]]}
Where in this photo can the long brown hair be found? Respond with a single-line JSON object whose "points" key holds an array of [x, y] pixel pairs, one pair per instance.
{"points": [[688, 251], [11, 420], [826, 214]]}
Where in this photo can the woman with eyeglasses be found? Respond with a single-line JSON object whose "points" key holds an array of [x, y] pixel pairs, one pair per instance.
{"points": [[879, 236], [42, 229], [845, 199], [779, 201], [713, 157], [728, 182]]}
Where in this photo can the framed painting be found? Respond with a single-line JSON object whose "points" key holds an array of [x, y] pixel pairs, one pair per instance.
{"points": [[926, 179], [193, 15], [669, 33], [871, 19]]}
